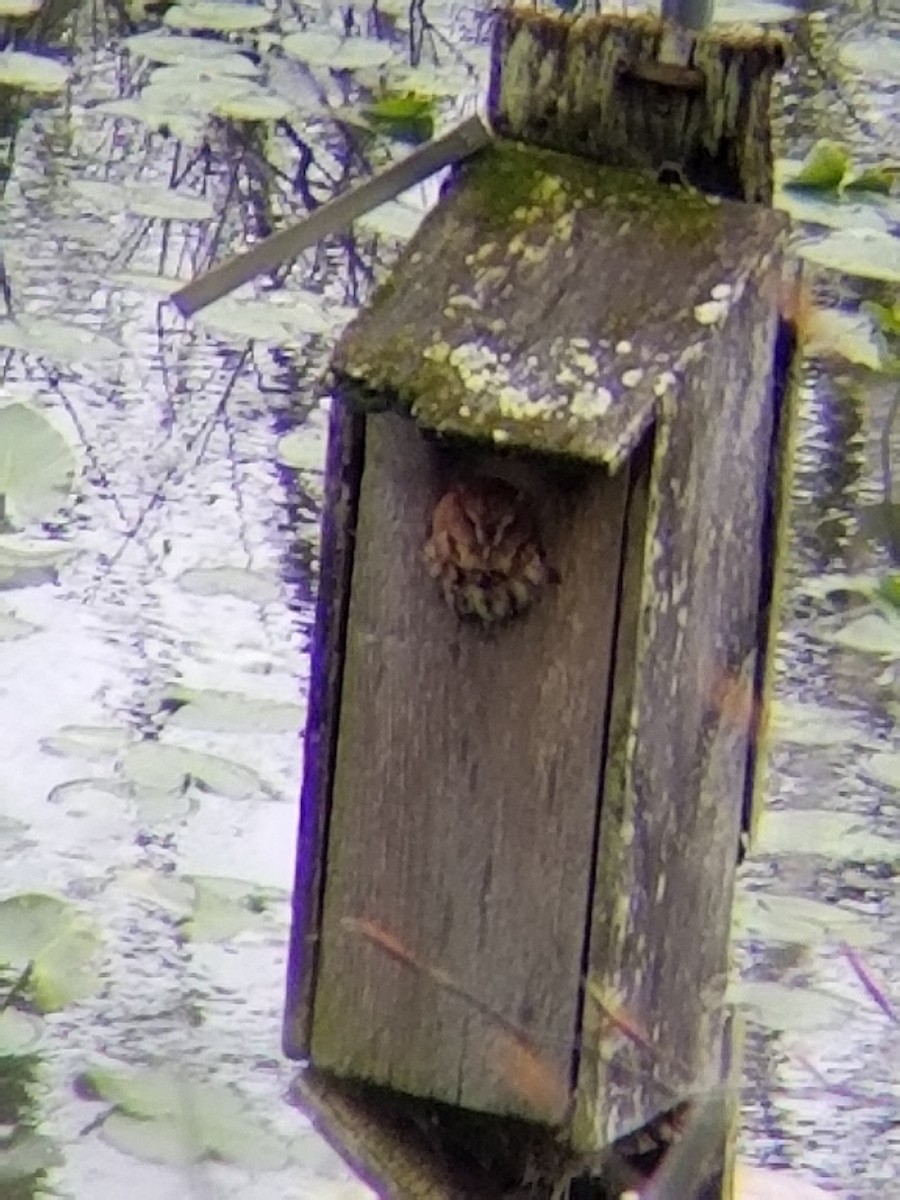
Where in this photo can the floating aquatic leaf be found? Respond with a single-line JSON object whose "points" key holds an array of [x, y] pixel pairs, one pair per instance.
{"points": [[255, 106], [852, 336], [798, 1009], [36, 464], [178, 48], [20, 1033], [60, 942], [32, 72], [259, 319], [872, 56], [823, 168], [151, 805], [867, 253], [314, 49], [392, 220], [884, 768], [358, 53], [842, 837], [872, 633], [90, 742], [166, 768], [821, 587], [303, 449], [12, 628], [801, 921], [171, 892], [24, 562], [189, 73], [199, 708], [24, 1154], [20, 8], [187, 127], [759, 12], [222, 909], [235, 581], [218, 16], [403, 115], [870, 179], [163, 1117], [48, 338], [162, 285], [887, 316], [167, 204], [807, 724]]}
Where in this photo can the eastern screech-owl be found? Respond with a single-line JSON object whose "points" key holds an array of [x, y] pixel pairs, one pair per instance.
{"points": [[485, 551]]}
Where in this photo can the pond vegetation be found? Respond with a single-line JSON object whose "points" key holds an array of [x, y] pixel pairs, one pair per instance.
{"points": [[160, 485]]}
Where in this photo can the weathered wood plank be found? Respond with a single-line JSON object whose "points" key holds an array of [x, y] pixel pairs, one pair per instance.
{"points": [[343, 468], [596, 86], [681, 726], [465, 792], [549, 302]]}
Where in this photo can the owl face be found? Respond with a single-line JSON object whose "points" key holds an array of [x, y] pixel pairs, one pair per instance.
{"points": [[484, 550]]}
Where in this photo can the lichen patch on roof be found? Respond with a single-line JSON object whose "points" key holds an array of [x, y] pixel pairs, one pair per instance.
{"points": [[548, 301]]}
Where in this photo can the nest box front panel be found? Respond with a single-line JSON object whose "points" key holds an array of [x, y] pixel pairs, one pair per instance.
{"points": [[465, 789]]}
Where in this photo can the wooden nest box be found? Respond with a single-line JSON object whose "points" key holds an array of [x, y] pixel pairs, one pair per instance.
{"points": [[547, 573]]}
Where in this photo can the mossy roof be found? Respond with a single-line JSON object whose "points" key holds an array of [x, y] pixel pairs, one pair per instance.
{"points": [[551, 303]]}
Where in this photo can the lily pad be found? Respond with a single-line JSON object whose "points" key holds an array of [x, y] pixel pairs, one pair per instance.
{"points": [[161, 285], [25, 562], [167, 204], [853, 336], [798, 1009], [303, 449], [36, 464], [32, 72], [884, 768], [234, 712], [872, 633], [163, 1117], [93, 743], [25, 1153], [810, 724], [166, 768], [262, 320], [20, 8], [255, 106], [60, 942], [867, 253], [12, 629], [872, 57], [392, 220], [235, 581], [57, 341], [800, 921], [218, 16], [842, 837], [177, 48], [823, 168], [20, 1033]]}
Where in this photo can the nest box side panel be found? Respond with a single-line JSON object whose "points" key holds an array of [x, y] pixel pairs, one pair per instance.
{"points": [[465, 795], [681, 730], [343, 468]]}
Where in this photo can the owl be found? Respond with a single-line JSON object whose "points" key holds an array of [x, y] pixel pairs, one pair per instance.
{"points": [[485, 552]]}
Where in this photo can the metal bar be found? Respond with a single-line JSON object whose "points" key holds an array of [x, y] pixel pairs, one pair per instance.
{"points": [[461, 141]]}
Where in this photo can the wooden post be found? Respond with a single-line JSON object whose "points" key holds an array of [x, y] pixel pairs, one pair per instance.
{"points": [[518, 837]]}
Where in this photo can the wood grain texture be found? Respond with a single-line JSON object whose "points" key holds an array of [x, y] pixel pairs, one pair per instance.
{"points": [[680, 737], [465, 793], [343, 468], [547, 302], [595, 86]]}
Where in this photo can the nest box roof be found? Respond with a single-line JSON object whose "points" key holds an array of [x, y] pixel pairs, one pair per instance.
{"points": [[552, 303]]}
